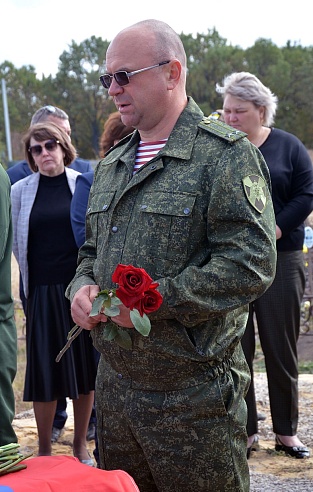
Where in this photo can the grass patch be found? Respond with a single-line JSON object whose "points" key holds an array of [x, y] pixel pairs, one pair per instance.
{"points": [[306, 367], [18, 384]]}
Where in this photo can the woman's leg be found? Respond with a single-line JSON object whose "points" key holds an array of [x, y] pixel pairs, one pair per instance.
{"points": [[82, 411], [248, 346], [44, 415], [279, 323]]}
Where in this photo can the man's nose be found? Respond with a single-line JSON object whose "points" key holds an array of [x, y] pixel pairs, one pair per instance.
{"points": [[114, 88]]}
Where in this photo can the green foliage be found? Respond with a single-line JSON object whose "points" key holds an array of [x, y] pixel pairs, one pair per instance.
{"points": [[209, 59], [287, 71], [306, 367]]}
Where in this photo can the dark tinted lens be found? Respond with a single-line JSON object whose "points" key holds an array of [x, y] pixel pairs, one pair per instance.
{"points": [[35, 149], [106, 80], [121, 78], [49, 146]]}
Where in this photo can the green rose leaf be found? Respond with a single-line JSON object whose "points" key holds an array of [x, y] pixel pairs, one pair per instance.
{"points": [[115, 301], [104, 293], [96, 306], [110, 331], [112, 311], [107, 302], [141, 323], [123, 339]]}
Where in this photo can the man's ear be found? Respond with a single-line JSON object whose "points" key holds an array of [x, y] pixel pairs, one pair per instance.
{"points": [[174, 71]]}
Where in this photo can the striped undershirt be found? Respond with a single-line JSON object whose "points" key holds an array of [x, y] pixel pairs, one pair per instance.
{"points": [[146, 151]]}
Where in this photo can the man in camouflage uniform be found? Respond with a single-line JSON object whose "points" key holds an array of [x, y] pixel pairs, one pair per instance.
{"points": [[199, 218]]}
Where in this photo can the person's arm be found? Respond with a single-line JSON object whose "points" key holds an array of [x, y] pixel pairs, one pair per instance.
{"points": [[300, 203], [242, 244], [79, 206], [6, 301], [5, 211], [19, 171], [278, 232], [85, 291]]}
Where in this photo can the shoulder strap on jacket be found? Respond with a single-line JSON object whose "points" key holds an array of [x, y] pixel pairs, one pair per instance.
{"points": [[220, 129]]}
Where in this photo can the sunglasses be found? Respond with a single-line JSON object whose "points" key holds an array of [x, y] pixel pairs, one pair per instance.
{"points": [[50, 146], [49, 108], [122, 77]]}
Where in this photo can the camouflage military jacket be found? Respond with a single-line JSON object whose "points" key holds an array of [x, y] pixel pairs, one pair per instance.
{"points": [[199, 218]]}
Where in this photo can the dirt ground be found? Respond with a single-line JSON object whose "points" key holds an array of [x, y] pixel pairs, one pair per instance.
{"points": [[263, 463]]}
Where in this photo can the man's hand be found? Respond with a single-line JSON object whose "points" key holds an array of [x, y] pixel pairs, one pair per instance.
{"points": [[278, 232], [123, 319], [81, 307]]}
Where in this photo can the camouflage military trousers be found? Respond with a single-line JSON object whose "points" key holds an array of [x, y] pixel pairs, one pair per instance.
{"points": [[187, 440]]}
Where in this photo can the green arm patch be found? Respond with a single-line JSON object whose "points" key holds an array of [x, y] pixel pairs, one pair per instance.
{"points": [[220, 129], [255, 190]]}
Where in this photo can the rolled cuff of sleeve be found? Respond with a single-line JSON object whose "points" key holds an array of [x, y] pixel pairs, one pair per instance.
{"points": [[76, 284]]}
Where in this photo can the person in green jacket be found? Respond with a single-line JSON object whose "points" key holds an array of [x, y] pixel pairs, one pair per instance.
{"points": [[8, 335], [186, 198]]}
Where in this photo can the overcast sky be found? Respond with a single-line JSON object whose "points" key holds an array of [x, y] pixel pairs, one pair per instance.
{"points": [[36, 32]]}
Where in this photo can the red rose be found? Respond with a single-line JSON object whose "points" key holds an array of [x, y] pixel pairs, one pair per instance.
{"points": [[136, 290], [150, 302], [132, 283]]}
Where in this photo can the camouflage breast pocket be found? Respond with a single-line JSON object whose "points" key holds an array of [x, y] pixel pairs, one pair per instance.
{"points": [[166, 222], [98, 213]]}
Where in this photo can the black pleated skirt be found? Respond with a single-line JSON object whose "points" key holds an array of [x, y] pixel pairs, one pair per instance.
{"points": [[48, 322]]}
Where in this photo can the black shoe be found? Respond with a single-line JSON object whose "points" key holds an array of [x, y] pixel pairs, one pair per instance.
{"points": [[55, 434], [254, 446], [261, 416], [299, 452], [91, 432]]}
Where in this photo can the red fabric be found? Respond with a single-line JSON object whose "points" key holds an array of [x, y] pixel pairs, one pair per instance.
{"points": [[65, 473]]}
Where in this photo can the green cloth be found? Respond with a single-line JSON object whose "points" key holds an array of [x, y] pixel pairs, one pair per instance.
{"points": [[8, 337]]}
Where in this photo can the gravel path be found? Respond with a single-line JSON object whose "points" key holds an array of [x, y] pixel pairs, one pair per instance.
{"points": [[302, 470], [271, 483]]}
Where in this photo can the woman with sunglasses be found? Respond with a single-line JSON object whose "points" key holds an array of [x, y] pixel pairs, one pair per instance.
{"points": [[46, 252]]}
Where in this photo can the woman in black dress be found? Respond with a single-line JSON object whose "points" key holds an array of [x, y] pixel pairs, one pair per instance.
{"points": [[46, 251]]}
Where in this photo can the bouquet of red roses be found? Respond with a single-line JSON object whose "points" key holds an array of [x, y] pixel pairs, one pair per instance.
{"points": [[137, 291]]}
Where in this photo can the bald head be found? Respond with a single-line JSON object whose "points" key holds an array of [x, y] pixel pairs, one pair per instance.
{"points": [[154, 37]]}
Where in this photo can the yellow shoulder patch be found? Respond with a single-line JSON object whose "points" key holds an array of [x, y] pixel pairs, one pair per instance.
{"points": [[220, 129], [255, 190]]}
